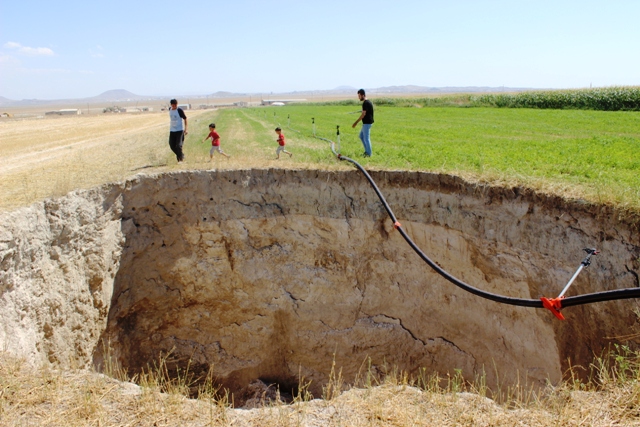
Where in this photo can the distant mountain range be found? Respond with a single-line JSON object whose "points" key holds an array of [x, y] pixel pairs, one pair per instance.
{"points": [[121, 95], [447, 89], [116, 95]]}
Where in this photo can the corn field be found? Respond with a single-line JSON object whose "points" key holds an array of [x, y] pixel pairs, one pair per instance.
{"points": [[603, 99]]}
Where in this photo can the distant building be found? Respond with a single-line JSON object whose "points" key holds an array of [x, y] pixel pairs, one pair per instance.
{"points": [[137, 109], [280, 101], [114, 109], [185, 106], [65, 112]]}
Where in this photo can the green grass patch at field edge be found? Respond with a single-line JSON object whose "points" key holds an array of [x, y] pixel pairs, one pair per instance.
{"points": [[575, 153]]}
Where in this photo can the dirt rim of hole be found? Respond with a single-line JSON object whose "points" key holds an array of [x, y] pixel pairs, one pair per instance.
{"points": [[278, 275]]}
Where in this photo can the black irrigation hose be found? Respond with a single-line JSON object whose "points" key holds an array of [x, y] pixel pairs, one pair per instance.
{"points": [[522, 302]]}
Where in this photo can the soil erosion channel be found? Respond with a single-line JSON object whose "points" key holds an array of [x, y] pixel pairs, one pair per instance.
{"points": [[278, 274]]}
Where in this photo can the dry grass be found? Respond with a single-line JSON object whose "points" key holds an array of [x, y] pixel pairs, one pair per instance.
{"points": [[46, 397], [52, 156]]}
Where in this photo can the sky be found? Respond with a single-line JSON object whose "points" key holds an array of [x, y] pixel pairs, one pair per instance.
{"points": [[74, 49]]}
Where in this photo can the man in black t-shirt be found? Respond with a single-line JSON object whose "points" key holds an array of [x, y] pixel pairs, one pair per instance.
{"points": [[367, 121]]}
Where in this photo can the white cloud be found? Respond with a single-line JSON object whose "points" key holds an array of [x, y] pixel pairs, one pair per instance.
{"points": [[97, 52], [44, 71], [31, 51], [8, 60]]}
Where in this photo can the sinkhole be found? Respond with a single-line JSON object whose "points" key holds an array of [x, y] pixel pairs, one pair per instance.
{"points": [[283, 275]]}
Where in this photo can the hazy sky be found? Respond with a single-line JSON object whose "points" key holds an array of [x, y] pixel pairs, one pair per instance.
{"points": [[74, 49]]}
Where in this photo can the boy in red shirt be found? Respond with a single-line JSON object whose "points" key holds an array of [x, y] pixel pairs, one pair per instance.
{"points": [[281, 144], [215, 142]]}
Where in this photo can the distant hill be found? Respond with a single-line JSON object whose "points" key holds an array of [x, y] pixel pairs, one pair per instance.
{"points": [[224, 94], [117, 95], [110, 96], [122, 95], [345, 89], [5, 101], [414, 89], [405, 89], [446, 89]]}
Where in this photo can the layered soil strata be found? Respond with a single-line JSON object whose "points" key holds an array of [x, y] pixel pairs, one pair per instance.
{"points": [[279, 275]]}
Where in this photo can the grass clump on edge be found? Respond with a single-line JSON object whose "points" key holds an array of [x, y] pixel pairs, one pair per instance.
{"points": [[43, 396]]}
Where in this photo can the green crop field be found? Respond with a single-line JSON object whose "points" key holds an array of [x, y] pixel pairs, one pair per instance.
{"points": [[592, 155], [582, 154]]}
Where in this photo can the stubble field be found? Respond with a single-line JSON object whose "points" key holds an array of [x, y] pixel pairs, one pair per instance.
{"points": [[52, 156]]}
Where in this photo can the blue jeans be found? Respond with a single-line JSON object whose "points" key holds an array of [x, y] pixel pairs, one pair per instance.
{"points": [[365, 137]]}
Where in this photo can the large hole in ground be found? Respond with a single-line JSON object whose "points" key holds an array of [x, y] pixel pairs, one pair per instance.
{"points": [[282, 275]]}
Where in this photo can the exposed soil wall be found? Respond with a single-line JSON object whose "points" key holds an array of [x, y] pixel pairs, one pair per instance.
{"points": [[275, 274]]}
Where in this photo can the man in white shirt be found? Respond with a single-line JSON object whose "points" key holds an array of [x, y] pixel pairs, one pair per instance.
{"points": [[177, 131]]}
